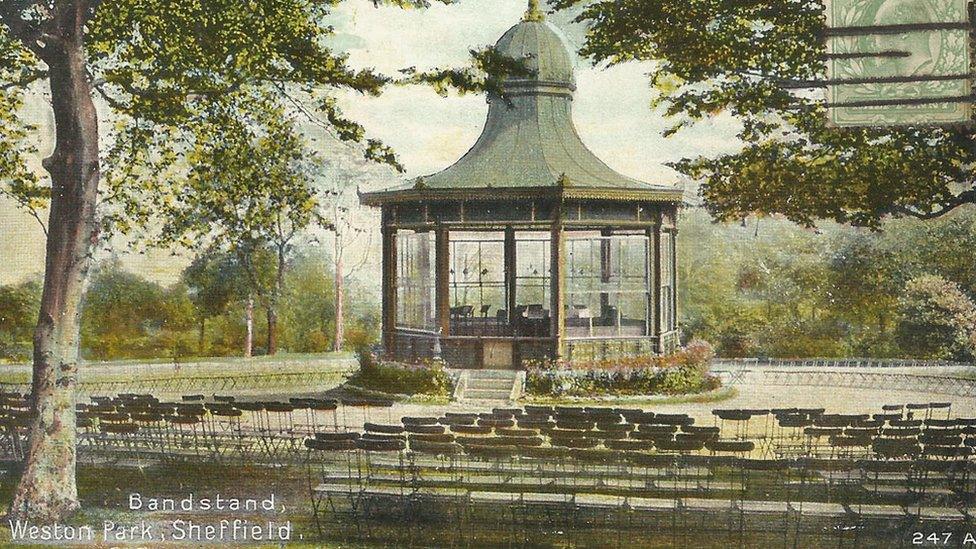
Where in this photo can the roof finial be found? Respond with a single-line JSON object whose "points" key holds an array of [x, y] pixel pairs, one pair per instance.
{"points": [[533, 13]]}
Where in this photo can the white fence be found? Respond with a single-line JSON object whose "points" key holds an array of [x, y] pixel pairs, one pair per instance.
{"points": [[836, 363]]}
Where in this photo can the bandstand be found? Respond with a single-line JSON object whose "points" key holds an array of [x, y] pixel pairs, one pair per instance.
{"points": [[529, 247]]}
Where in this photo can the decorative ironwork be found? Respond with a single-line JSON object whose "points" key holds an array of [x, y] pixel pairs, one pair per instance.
{"points": [[178, 385], [860, 379]]}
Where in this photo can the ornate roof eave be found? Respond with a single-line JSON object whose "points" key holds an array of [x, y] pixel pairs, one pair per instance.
{"points": [[380, 198]]}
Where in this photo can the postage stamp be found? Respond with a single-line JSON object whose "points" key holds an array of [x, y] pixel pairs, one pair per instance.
{"points": [[903, 60]]}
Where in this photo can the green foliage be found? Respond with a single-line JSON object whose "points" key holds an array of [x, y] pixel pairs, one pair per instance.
{"points": [[747, 58], [247, 192], [683, 372], [770, 288], [18, 315], [308, 307], [126, 315], [429, 379], [940, 319], [168, 55], [759, 290], [17, 180], [176, 74], [17, 66], [487, 74], [214, 281], [165, 68], [247, 184]]}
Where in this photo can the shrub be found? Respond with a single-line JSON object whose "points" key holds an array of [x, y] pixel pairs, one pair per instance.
{"points": [[683, 372], [938, 319], [428, 378]]}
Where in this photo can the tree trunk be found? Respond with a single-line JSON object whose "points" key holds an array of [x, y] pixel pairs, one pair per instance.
{"points": [[47, 492], [249, 323], [272, 329], [203, 335], [340, 297], [279, 284]]}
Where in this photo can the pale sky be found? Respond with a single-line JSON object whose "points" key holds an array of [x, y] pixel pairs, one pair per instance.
{"points": [[428, 132]]}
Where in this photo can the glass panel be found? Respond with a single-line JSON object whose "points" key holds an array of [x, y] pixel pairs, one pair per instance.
{"points": [[607, 285], [532, 290], [415, 280], [667, 282], [477, 281]]}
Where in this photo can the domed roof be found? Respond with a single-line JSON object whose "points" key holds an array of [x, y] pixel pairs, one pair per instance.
{"points": [[544, 51], [529, 143]]}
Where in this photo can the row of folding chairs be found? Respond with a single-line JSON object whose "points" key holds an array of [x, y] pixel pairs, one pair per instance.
{"points": [[14, 424], [846, 436], [783, 422], [351, 472], [516, 457], [216, 428]]}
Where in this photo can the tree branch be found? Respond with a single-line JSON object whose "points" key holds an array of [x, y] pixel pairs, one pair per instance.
{"points": [[365, 258], [965, 197], [26, 205], [156, 95], [245, 259], [99, 86], [312, 117], [26, 80], [37, 217], [11, 15]]}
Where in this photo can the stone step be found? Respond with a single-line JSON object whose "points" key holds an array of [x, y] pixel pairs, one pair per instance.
{"points": [[490, 383], [492, 374], [486, 394]]}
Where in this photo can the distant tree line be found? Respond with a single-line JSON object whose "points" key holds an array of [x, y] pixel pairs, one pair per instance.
{"points": [[205, 313], [763, 287], [767, 287]]}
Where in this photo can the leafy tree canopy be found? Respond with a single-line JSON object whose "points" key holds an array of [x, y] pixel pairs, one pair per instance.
{"points": [[940, 318], [214, 280], [18, 314], [760, 61], [178, 74]]}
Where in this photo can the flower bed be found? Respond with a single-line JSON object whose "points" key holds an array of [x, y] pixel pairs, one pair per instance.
{"points": [[399, 378], [683, 372]]}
